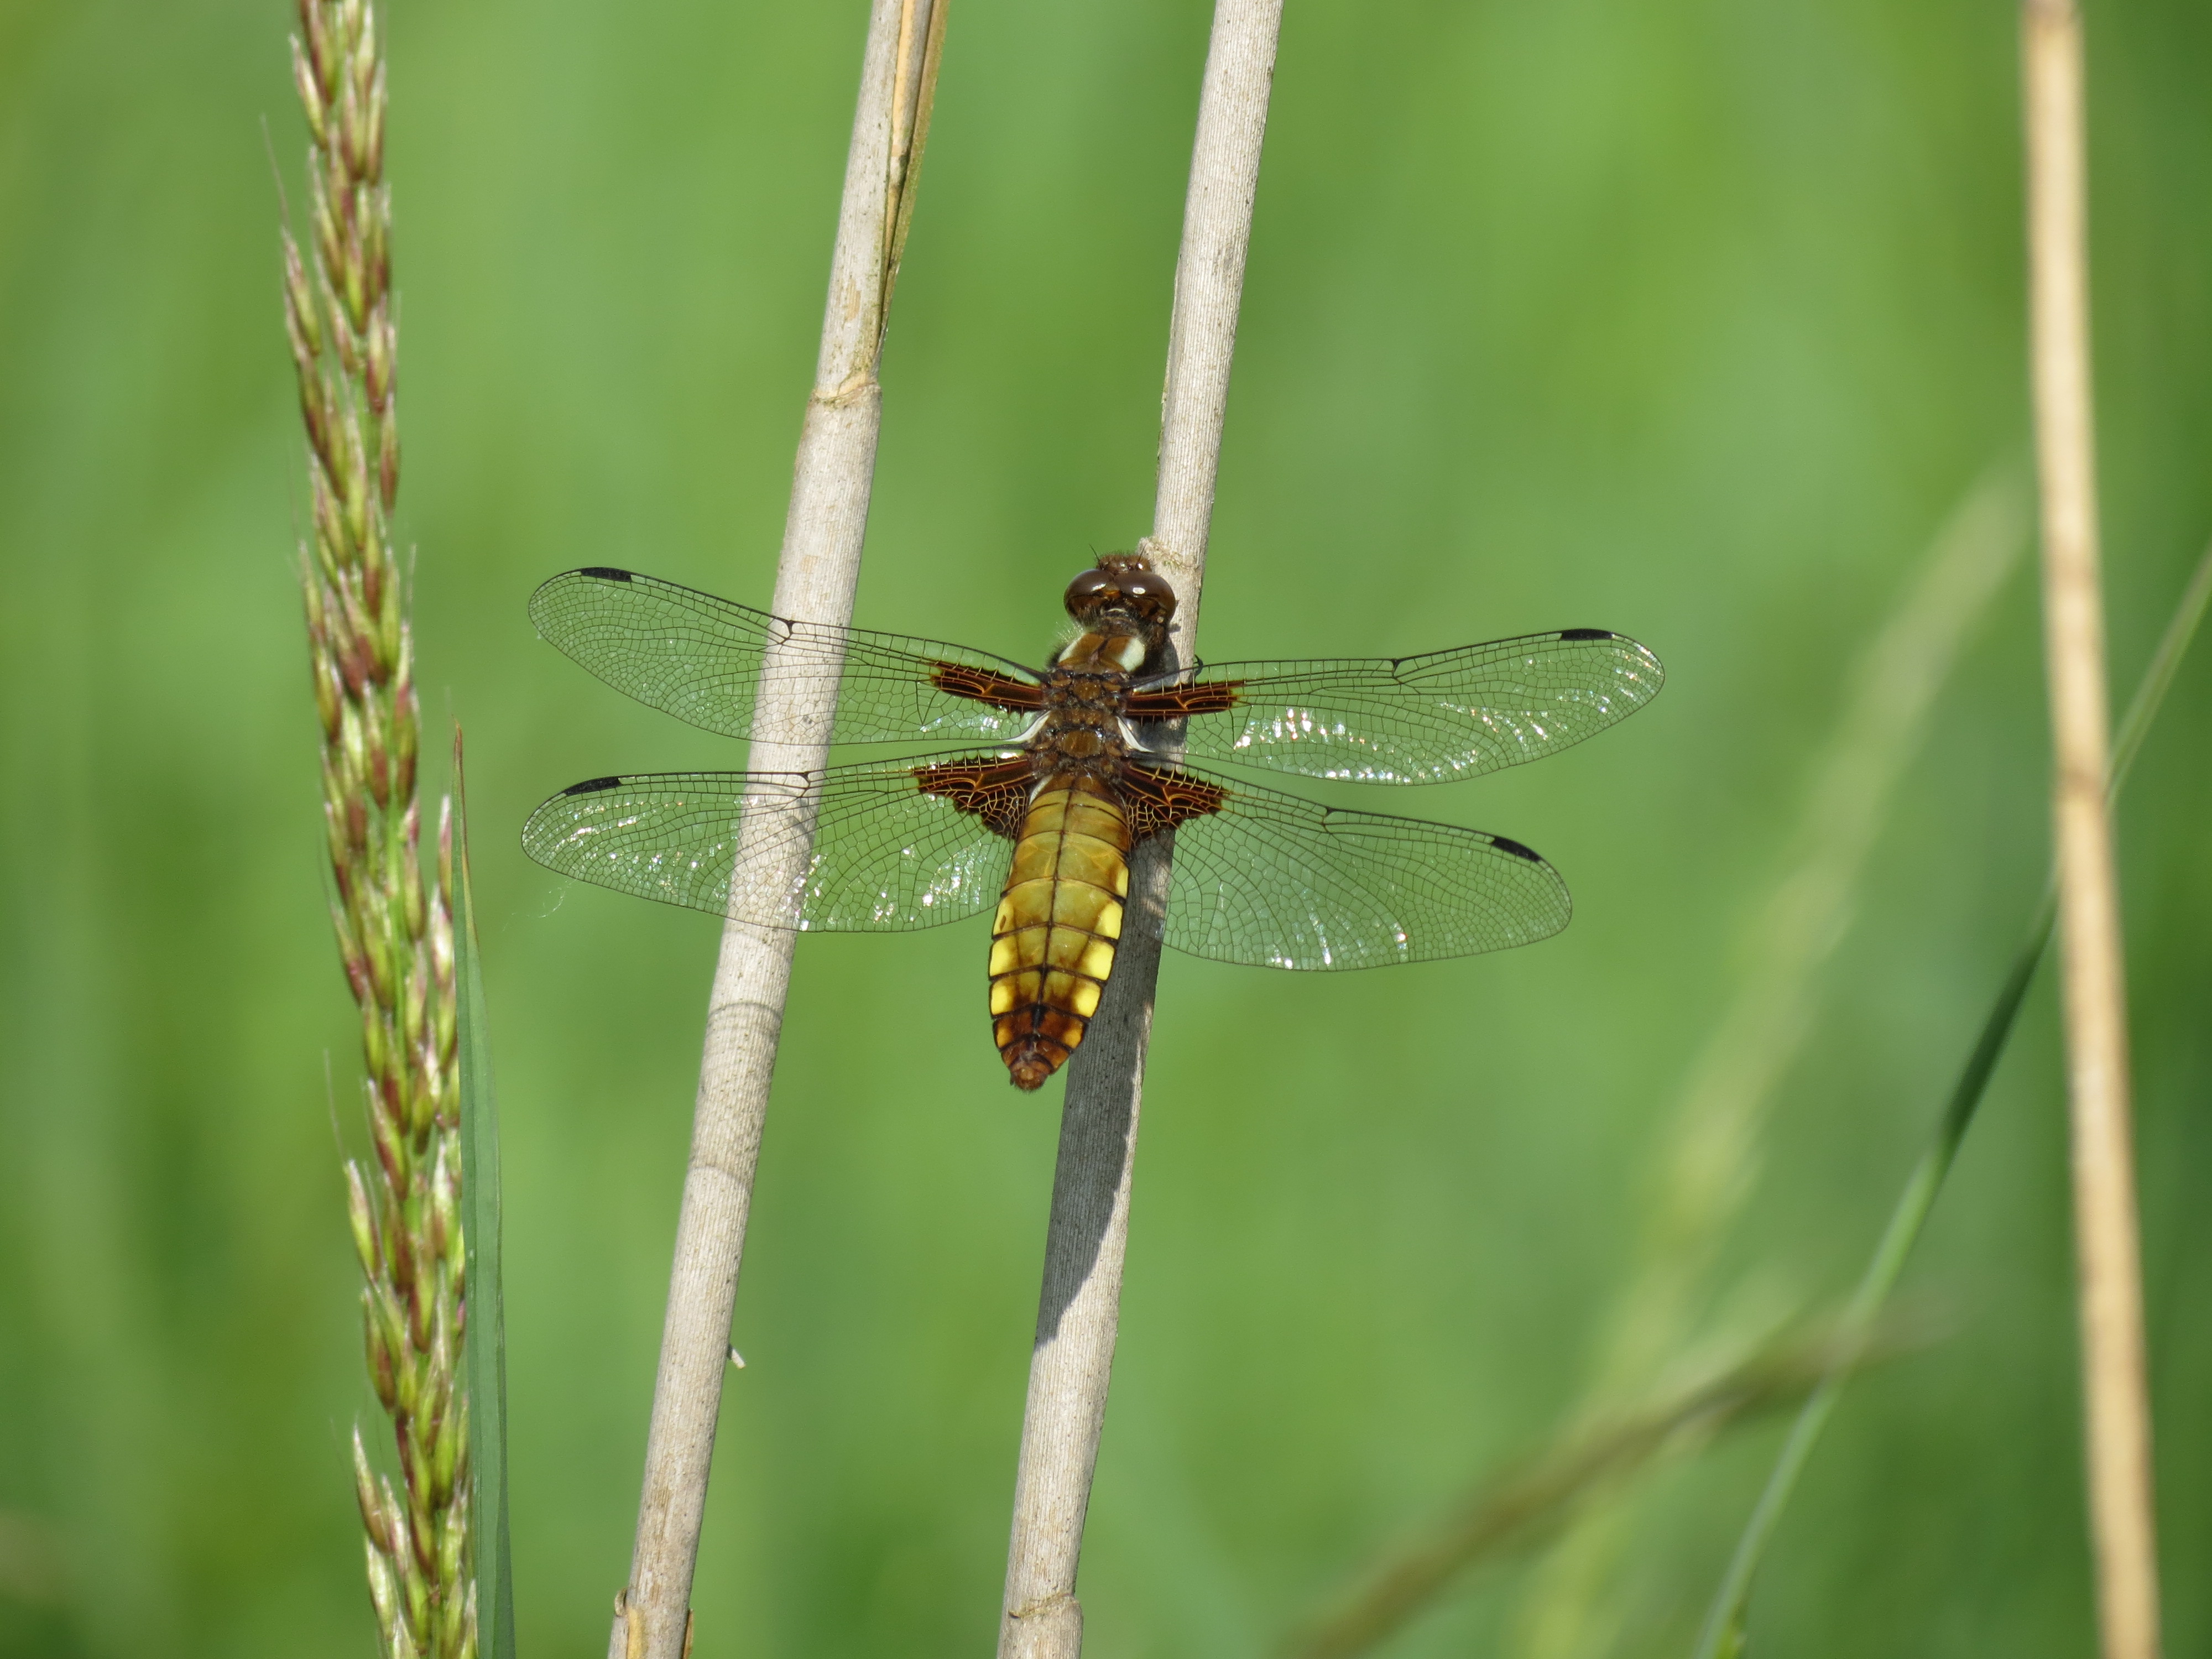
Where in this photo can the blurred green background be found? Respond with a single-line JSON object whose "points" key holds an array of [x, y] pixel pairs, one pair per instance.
{"points": [[1693, 321]]}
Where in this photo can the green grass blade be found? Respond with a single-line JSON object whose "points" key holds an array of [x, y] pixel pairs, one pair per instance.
{"points": [[1535, 1495], [2164, 664], [1721, 1633], [486, 1336]]}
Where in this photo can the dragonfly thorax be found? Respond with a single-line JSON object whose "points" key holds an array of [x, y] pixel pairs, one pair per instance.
{"points": [[1082, 731], [1105, 650]]}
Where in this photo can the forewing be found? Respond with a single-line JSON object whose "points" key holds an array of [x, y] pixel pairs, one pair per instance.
{"points": [[700, 659], [887, 855], [1279, 882], [1413, 719]]}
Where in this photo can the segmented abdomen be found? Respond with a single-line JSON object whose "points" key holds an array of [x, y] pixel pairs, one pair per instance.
{"points": [[1052, 946]]}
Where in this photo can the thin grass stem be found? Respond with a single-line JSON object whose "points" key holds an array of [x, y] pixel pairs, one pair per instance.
{"points": [[816, 574], [1724, 1618], [2116, 1395], [1087, 1235], [485, 1334]]}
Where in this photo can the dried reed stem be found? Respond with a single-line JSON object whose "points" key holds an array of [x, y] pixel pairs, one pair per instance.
{"points": [[1088, 1233], [394, 927], [2094, 999], [817, 571]]}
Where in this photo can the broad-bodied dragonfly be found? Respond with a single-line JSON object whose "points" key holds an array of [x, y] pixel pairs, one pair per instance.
{"points": [[1061, 771]]}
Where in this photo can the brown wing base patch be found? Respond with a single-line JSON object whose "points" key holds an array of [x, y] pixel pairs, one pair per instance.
{"points": [[1157, 800], [1174, 701], [985, 685], [995, 791]]}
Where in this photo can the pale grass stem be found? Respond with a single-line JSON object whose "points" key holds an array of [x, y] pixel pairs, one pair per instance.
{"points": [[816, 574], [2093, 997], [1708, 1159], [394, 922], [1087, 1235]]}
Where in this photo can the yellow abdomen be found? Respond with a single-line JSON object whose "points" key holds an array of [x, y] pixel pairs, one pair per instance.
{"points": [[1052, 946]]}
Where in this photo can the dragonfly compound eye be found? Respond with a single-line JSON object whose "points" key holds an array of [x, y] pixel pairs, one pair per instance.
{"points": [[1087, 591], [1124, 581]]}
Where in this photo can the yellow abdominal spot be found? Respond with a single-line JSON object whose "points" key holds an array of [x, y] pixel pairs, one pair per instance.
{"points": [[1033, 858], [1013, 991], [1027, 904], [1083, 1000], [1075, 903], [1097, 959], [1094, 862]]}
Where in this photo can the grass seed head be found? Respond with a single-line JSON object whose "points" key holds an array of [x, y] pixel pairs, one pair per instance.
{"points": [[390, 915]]}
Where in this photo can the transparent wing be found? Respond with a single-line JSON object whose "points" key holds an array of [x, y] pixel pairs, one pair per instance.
{"points": [[888, 854], [700, 659], [1270, 879], [1413, 719]]}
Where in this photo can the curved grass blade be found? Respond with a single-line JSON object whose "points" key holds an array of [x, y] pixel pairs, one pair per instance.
{"points": [[1704, 1167], [1523, 1501], [485, 1338], [1722, 1633]]}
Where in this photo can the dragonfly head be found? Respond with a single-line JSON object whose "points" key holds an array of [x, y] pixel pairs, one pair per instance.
{"points": [[1123, 593]]}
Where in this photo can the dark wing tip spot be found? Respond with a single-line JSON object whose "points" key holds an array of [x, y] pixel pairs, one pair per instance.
{"points": [[1501, 843], [606, 573], [1588, 634], [595, 785]]}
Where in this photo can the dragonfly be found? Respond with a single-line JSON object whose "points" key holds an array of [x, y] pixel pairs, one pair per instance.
{"points": [[1056, 774]]}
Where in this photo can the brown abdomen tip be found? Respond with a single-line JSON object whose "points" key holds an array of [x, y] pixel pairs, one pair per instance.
{"points": [[1031, 1058]]}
